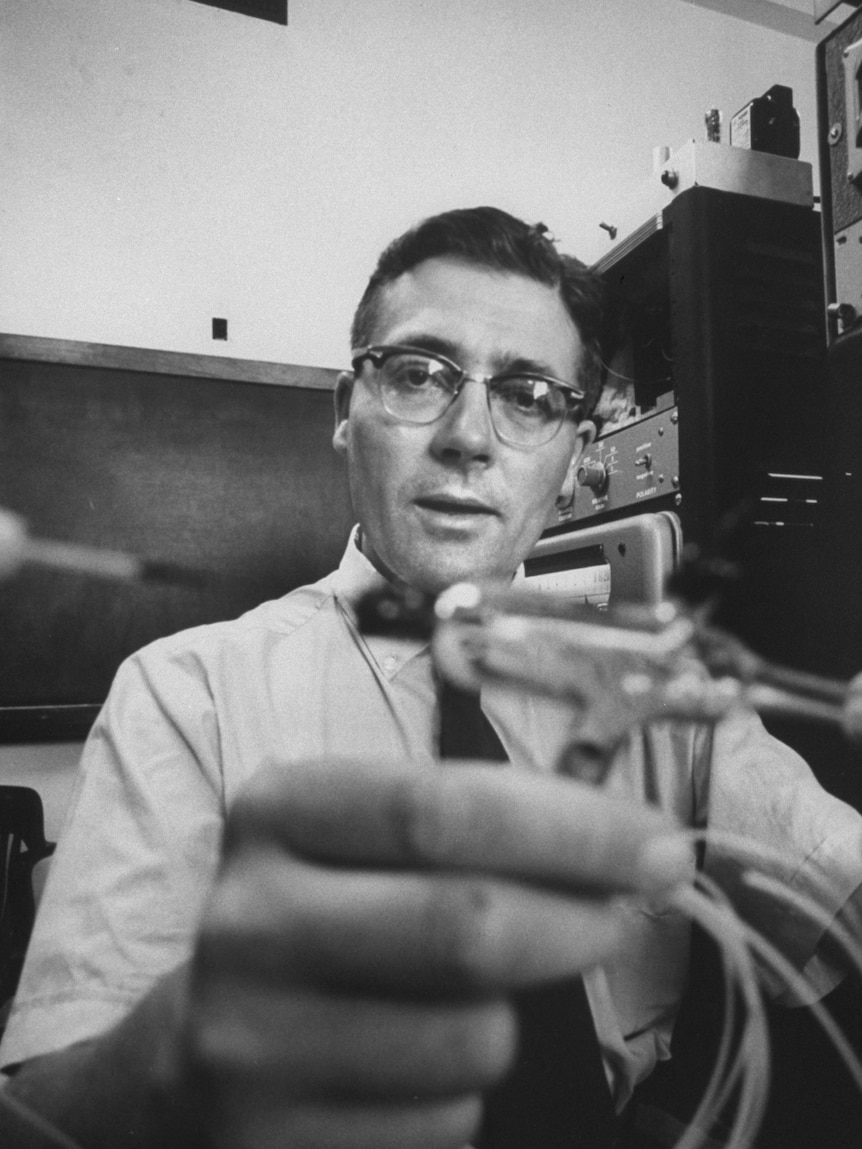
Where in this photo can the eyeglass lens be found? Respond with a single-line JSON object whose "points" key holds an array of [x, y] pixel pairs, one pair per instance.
{"points": [[419, 389]]}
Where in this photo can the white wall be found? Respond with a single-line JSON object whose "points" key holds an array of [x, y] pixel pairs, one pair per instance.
{"points": [[164, 162]]}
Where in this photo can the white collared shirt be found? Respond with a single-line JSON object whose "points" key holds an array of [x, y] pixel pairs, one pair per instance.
{"points": [[191, 717]]}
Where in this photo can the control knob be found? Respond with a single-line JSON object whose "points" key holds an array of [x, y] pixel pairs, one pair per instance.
{"points": [[593, 475]]}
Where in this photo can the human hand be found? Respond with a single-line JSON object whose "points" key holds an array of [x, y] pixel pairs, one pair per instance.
{"points": [[354, 967]]}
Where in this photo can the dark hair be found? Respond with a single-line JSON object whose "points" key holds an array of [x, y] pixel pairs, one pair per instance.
{"points": [[492, 238]]}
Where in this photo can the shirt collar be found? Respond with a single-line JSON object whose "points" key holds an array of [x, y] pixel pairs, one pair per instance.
{"points": [[357, 576]]}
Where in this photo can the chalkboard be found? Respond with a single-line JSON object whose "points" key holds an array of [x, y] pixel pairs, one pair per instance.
{"points": [[218, 465]]}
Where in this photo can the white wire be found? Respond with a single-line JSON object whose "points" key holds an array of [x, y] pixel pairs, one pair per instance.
{"points": [[848, 941], [710, 1104], [842, 936], [746, 1115], [739, 944], [797, 982], [750, 1065], [743, 847]]}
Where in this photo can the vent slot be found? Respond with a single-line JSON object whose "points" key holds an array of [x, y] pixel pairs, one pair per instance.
{"points": [[775, 305], [787, 500]]}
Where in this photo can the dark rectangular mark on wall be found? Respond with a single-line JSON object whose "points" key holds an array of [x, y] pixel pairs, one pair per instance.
{"points": [[274, 10]]}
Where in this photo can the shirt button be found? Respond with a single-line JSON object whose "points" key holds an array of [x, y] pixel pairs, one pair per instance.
{"points": [[390, 663]]}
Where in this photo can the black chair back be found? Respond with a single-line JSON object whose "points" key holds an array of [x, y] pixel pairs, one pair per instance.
{"points": [[22, 845]]}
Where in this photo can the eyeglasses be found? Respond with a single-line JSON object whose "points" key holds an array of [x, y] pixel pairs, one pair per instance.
{"points": [[527, 409]]}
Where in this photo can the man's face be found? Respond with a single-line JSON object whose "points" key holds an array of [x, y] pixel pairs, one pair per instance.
{"points": [[449, 500]]}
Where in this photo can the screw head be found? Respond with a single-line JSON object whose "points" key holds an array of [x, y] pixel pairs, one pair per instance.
{"points": [[835, 134]]}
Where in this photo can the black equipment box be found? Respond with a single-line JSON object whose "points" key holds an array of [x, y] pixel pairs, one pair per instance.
{"points": [[716, 403], [722, 362]]}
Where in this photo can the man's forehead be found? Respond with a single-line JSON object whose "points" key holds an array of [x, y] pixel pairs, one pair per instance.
{"points": [[473, 308]]}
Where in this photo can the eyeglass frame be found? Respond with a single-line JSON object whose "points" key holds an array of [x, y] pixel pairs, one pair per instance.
{"points": [[386, 350]]}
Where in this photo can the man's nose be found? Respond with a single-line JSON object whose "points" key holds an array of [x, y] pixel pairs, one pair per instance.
{"points": [[465, 431]]}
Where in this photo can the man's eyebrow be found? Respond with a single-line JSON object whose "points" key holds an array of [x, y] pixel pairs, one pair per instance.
{"points": [[528, 366], [433, 343], [503, 362]]}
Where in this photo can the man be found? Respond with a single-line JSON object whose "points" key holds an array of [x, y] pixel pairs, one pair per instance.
{"points": [[274, 917]]}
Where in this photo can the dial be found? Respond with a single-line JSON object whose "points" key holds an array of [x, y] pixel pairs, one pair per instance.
{"points": [[593, 475]]}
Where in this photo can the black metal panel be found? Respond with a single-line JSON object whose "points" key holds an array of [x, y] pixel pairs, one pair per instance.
{"points": [[724, 316], [749, 355], [236, 480]]}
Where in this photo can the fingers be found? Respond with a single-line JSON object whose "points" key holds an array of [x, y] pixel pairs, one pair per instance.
{"points": [[462, 816], [269, 1069], [313, 1046], [260, 1121], [369, 923], [282, 919]]}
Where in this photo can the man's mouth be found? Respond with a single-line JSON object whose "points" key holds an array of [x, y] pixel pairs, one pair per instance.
{"points": [[455, 505]]}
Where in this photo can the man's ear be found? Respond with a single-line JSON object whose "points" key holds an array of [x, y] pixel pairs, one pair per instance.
{"points": [[342, 395], [586, 434]]}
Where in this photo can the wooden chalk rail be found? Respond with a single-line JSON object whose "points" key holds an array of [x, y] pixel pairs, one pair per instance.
{"points": [[121, 358]]}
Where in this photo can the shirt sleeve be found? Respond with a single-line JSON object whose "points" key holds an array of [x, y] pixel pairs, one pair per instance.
{"points": [[768, 815], [134, 861]]}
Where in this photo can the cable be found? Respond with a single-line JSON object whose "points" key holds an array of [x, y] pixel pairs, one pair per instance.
{"points": [[748, 1069], [750, 1066]]}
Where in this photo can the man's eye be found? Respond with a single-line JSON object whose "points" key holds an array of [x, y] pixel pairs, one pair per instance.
{"points": [[527, 396], [524, 394], [410, 373]]}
